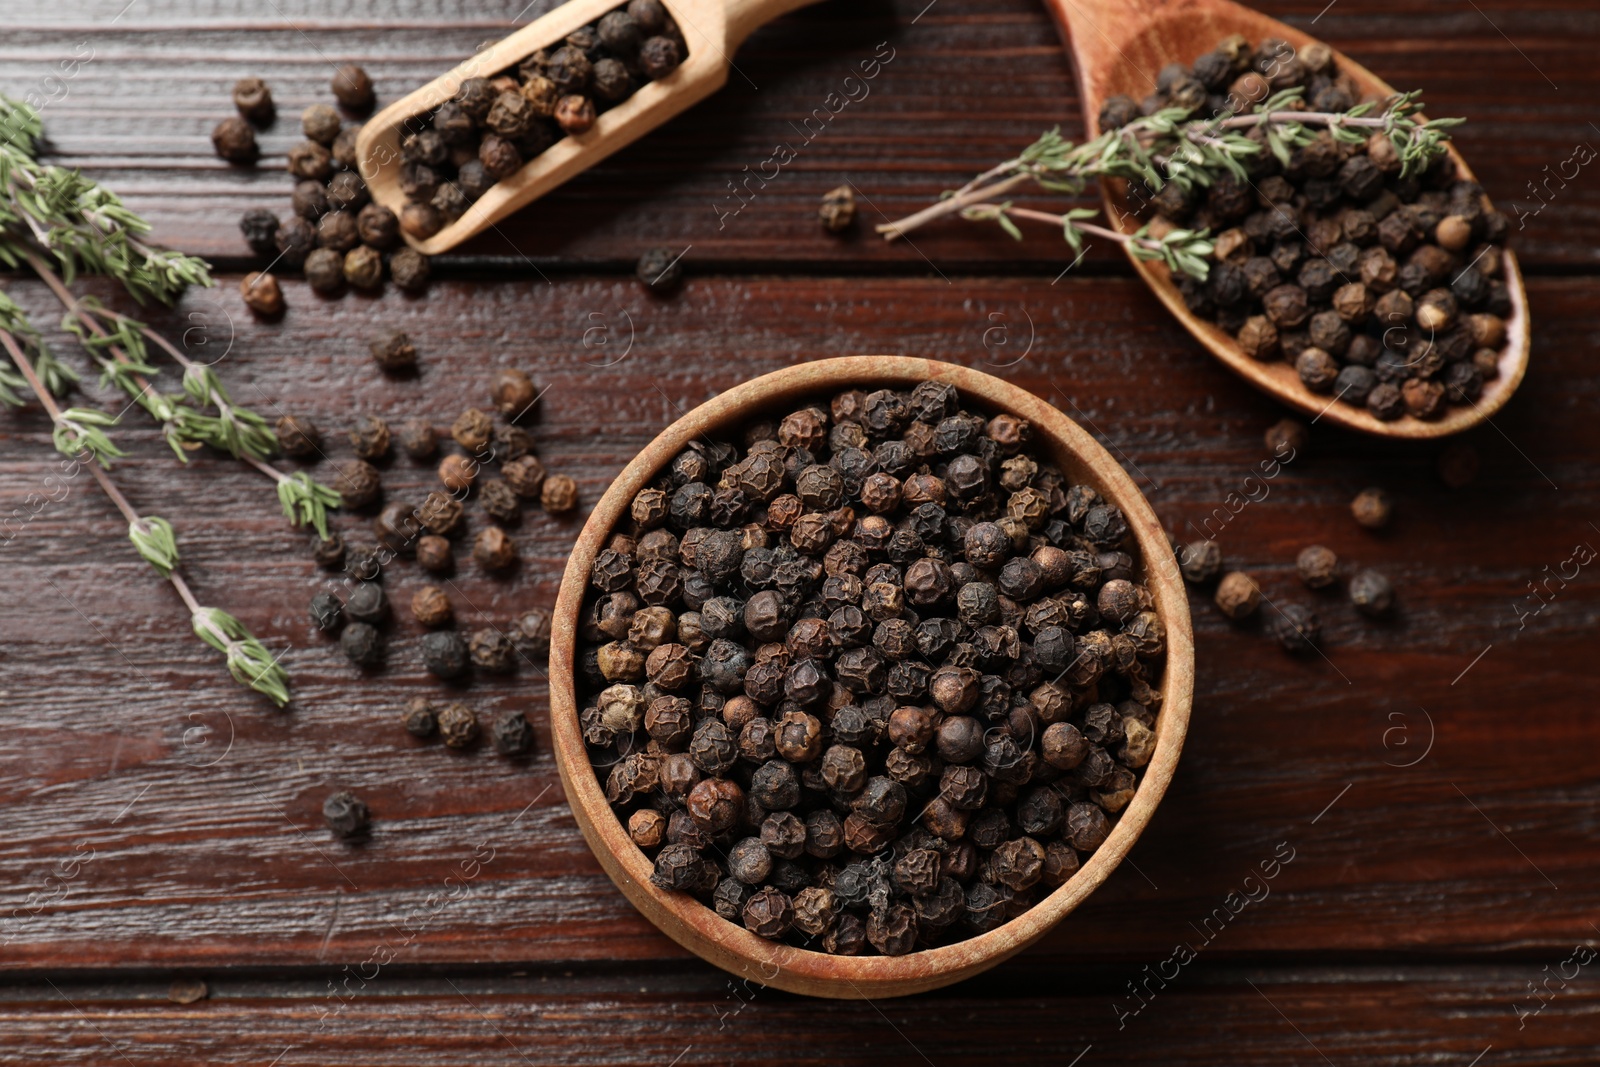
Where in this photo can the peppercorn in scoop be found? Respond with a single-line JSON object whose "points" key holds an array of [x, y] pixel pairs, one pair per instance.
{"points": [[1377, 278], [872, 677]]}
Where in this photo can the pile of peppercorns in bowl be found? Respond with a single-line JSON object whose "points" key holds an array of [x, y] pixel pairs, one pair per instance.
{"points": [[492, 126], [1382, 290], [872, 676]]}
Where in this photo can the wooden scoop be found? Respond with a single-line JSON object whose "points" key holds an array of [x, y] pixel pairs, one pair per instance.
{"points": [[712, 29], [1119, 46]]}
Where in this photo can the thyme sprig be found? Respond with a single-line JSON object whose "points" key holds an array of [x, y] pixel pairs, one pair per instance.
{"points": [[48, 212], [1170, 146], [79, 433]]}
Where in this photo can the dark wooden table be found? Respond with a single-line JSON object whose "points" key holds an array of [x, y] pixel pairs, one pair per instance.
{"points": [[1434, 777]]}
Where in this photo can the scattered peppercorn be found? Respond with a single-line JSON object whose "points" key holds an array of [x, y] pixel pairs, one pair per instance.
{"points": [[1296, 628], [235, 141], [254, 100], [419, 718], [358, 482], [260, 229], [1238, 595], [493, 549], [458, 724], [660, 270], [409, 269], [1318, 566], [1372, 508], [353, 89], [324, 269], [838, 209], [346, 815], [362, 644], [513, 734], [327, 611], [261, 294], [370, 437], [1200, 561], [1287, 438], [444, 654], [1371, 593], [559, 494]]}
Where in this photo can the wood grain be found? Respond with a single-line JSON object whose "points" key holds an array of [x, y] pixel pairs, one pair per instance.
{"points": [[1409, 1016], [1448, 856], [971, 82]]}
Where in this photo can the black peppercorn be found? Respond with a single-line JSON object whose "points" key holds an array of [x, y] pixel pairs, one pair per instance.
{"points": [[327, 611], [491, 650], [662, 272], [296, 239], [324, 269], [362, 644], [513, 734], [260, 229], [1371, 593], [1297, 628], [409, 269], [444, 653], [353, 89], [419, 718], [346, 815], [328, 552], [367, 603]]}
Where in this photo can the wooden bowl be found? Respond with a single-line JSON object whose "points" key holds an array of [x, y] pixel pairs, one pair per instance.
{"points": [[696, 926]]}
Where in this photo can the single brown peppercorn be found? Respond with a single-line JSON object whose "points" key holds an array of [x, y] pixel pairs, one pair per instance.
{"points": [[363, 268], [1318, 566], [235, 141], [1371, 593], [324, 269], [431, 606], [435, 554], [419, 718], [370, 437], [458, 725], [358, 482], [337, 230], [253, 99], [648, 828], [298, 437], [320, 123], [525, 475], [393, 351], [262, 294], [1372, 508], [409, 269], [1287, 438], [458, 473], [1238, 595], [295, 240], [421, 221], [838, 210], [310, 160], [353, 89], [1200, 561], [559, 494], [1296, 628], [378, 227], [575, 114], [499, 501], [512, 392], [493, 549], [472, 430]]}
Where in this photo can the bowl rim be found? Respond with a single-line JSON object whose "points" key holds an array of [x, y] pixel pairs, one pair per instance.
{"points": [[698, 927]]}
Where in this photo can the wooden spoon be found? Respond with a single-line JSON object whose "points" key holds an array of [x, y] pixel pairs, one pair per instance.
{"points": [[1119, 46], [712, 29]]}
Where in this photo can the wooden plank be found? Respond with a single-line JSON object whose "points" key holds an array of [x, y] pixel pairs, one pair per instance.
{"points": [[183, 851], [970, 83], [1408, 1016]]}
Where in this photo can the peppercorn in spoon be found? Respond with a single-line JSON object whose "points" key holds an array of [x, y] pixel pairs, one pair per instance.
{"points": [[534, 109], [1418, 296]]}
